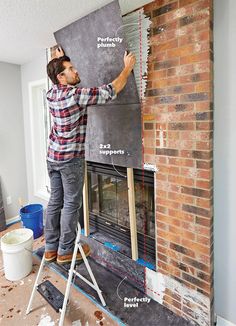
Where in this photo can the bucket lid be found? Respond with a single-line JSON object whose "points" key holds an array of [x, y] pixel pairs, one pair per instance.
{"points": [[16, 237]]}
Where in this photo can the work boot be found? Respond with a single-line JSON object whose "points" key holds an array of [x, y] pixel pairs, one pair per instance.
{"points": [[66, 259], [50, 256]]}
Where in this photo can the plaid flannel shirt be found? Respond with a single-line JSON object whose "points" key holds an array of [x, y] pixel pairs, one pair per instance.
{"points": [[68, 106]]}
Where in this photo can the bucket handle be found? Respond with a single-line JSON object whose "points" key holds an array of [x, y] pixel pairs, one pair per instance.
{"points": [[29, 250], [18, 250]]}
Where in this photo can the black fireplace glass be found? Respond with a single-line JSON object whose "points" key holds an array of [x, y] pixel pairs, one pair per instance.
{"points": [[144, 204], [108, 199]]}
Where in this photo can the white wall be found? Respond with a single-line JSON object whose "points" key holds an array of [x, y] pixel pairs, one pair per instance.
{"points": [[30, 72], [12, 145], [225, 158]]}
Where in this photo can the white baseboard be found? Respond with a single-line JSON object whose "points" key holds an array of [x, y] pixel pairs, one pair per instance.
{"points": [[12, 220], [223, 322]]}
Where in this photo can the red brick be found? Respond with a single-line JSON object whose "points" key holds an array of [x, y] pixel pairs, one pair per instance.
{"points": [[173, 295], [168, 169], [190, 88], [196, 264], [156, 56], [161, 209], [180, 51], [182, 250], [162, 257], [164, 9], [183, 3], [196, 247], [203, 240], [205, 165], [148, 134], [169, 220], [181, 144], [160, 160], [170, 269], [203, 106], [181, 162], [156, 75], [169, 236], [161, 193], [204, 125], [168, 203], [161, 226], [205, 203], [162, 242], [203, 221], [181, 126], [204, 145], [150, 151], [189, 172], [194, 78], [171, 301], [181, 215], [149, 142], [167, 45], [195, 37], [149, 159], [203, 87], [181, 180], [173, 135], [204, 174], [180, 198], [200, 67], [183, 233], [197, 57]]}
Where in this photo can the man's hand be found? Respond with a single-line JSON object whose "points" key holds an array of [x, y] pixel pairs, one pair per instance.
{"points": [[59, 52], [129, 60], [120, 82]]}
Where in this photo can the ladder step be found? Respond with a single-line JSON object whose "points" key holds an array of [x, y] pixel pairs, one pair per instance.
{"points": [[51, 294]]}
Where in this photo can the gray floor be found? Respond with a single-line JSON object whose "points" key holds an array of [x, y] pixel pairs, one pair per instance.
{"points": [[150, 314]]}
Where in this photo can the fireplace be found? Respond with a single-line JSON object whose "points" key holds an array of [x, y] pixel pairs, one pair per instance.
{"points": [[109, 209]]}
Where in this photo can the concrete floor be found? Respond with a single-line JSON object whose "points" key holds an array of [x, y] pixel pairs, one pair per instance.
{"points": [[14, 297]]}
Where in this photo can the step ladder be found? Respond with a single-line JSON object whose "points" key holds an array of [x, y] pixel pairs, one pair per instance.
{"points": [[53, 296]]}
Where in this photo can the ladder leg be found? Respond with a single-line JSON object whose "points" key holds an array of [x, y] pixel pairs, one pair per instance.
{"points": [[71, 272], [35, 285], [91, 275]]}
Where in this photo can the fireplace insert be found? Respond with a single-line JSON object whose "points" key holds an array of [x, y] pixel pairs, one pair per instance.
{"points": [[108, 204]]}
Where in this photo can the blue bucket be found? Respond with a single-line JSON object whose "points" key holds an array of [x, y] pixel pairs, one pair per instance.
{"points": [[32, 218]]}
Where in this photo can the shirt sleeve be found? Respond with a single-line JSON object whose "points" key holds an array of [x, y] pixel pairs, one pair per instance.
{"points": [[96, 95]]}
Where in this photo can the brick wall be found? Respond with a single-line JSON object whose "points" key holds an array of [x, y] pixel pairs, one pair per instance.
{"points": [[178, 139]]}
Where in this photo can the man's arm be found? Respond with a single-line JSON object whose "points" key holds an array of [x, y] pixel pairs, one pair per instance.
{"points": [[120, 82], [100, 95]]}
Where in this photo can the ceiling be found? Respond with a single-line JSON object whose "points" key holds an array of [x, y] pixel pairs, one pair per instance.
{"points": [[27, 26]]}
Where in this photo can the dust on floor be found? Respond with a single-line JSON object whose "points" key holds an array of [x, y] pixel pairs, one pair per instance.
{"points": [[14, 297]]}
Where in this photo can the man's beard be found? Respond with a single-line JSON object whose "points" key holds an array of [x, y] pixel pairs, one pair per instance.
{"points": [[76, 81]]}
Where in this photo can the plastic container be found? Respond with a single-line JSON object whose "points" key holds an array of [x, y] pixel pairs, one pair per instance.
{"points": [[32, 218], [16, 249]]}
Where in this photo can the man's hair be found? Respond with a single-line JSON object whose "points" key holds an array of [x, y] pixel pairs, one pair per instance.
{"points": [[55, 67]]}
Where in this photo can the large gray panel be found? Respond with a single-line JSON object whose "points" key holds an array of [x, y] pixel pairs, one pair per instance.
{"points": [[118, 126], [98, 66], [117, 123]]}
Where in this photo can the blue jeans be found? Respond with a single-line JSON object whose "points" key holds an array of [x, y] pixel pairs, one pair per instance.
{"points": [[62, 215]]}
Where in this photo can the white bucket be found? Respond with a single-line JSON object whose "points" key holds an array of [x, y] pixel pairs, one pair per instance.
{"points": [[16, 248]]}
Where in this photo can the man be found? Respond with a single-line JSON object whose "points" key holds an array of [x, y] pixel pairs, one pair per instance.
{"points": [[65, 160]]}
